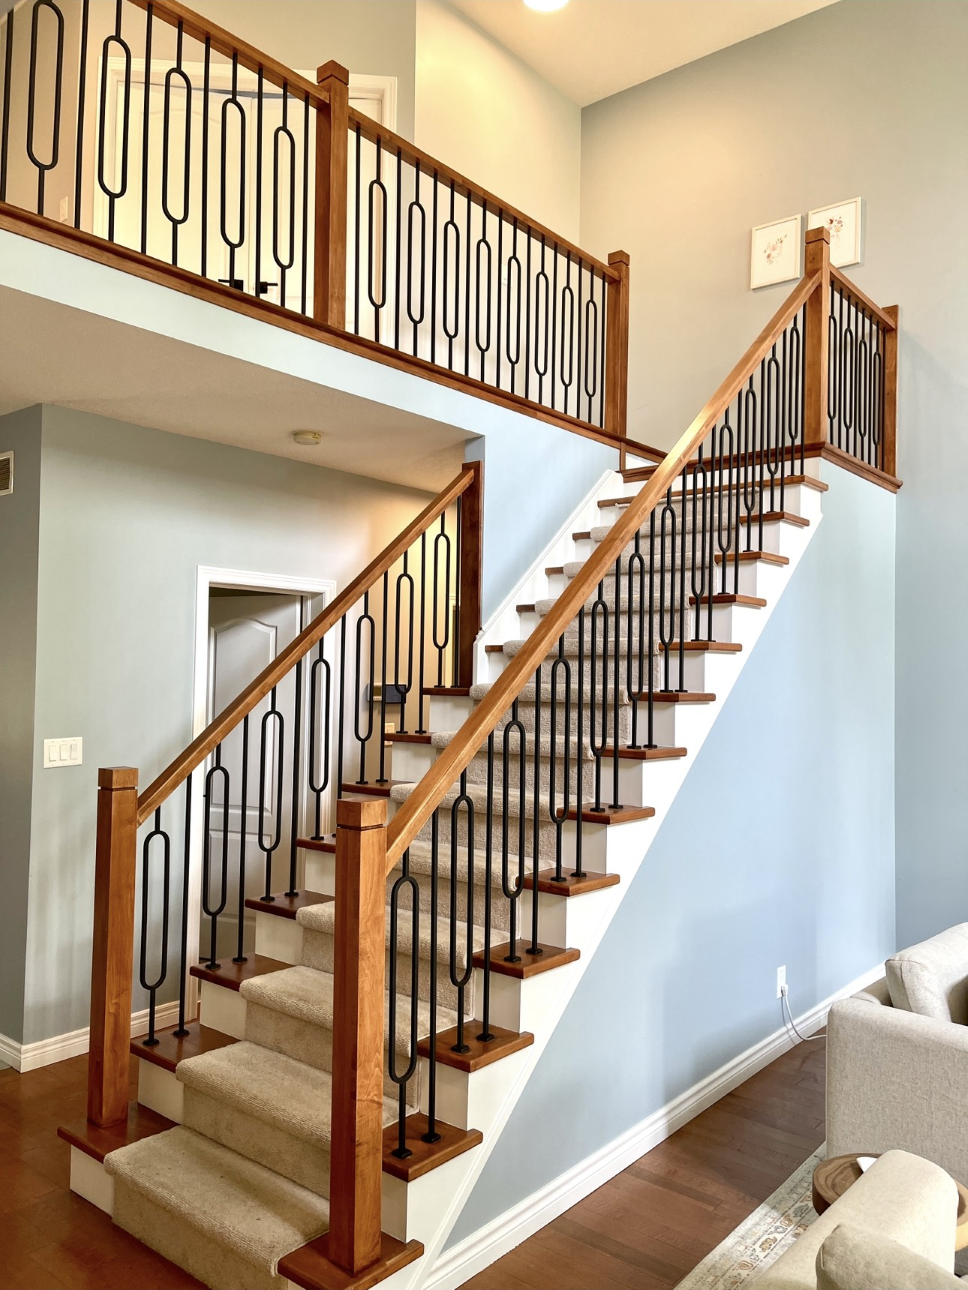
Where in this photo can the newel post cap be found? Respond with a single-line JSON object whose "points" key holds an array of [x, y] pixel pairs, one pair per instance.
{"points": [[114, 777], [817, 235], [370, 813], [332, 70], [619, 257]]}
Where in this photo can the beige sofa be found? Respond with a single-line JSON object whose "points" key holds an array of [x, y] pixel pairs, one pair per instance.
{"points": [[897, 1058], [878, 1235]]}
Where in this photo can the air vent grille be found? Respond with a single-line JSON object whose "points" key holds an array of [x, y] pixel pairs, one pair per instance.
{"points": [[6, 473]]}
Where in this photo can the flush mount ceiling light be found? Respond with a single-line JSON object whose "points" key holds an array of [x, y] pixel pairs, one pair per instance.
{"points": [[307, 438], [545, 6]]}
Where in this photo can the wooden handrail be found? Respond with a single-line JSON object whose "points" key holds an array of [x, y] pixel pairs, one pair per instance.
{"points": [[853, 292], [223, 42], [373, 131], [215, 732], [414, 813]]}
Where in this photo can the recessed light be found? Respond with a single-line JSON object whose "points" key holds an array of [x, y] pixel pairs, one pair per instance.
{"points": [[545, 6], [307, 438]]}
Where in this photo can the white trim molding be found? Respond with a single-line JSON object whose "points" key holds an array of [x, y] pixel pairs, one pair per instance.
{"points": [[479, 1250], [30, 1057]]}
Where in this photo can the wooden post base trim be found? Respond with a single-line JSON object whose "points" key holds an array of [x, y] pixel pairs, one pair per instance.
{"points": [[311, 1267]]}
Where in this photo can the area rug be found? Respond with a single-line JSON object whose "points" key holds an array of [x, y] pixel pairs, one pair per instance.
{"points": [[761, 1238]]}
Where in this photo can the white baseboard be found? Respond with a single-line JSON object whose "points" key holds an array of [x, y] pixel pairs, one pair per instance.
{"points": [[477, 1251], [30, 1057]]}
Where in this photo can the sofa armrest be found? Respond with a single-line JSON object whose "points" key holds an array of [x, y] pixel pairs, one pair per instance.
{"points": [[901, 1196], [877, 992], [897, 1079]]}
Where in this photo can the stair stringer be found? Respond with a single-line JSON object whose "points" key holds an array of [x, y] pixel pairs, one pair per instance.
{"points": [[428, 1208]]}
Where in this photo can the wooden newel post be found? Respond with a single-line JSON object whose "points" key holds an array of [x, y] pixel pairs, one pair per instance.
{"points": [[617, 347], [356, 1161], [332, 136], [817, 345], [469, 575], [889, 449], [111, 963]]}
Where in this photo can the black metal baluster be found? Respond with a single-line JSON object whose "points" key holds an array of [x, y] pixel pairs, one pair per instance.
{"points": [[233, 244], [536, 801], [616, 677], [483, 246], [173, 74], [557, 817], [304, 266], [397, 263], [273, 719], [513, 894], [416, 208], [357, 248], [451, 329], [5, 110], [567, 333], [598, 699], [432, 1135], [433, 276], [486, 1036], [319, 775], [384, 636], [153, 986], [44, 166], [422, 660], [497, 310], [206, 88], [294, 809], [542, 368], [441, 543], [240, 955], [341, 708], [377, 191], [404, 578], [460, 979], [213, 911], [282, 132], [514, 283], [182, 1030], [364, 693], [578, 872], [114, 194], [402, 1077]]}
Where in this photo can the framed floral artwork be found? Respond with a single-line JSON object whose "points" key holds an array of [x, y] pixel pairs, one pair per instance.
{"points": [[777, 251], [844, 223]]}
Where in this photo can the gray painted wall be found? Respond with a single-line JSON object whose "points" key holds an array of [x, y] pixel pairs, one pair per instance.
{"points": [[126, 516], [19, 531], [858, 98], [778, 850]]}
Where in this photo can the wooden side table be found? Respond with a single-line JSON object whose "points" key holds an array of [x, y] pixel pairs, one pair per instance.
{"points": [[833, 1176]]}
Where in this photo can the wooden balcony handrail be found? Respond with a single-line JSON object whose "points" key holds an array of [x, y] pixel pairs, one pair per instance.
{"points": [[215, 732], [464, 187], [853, 292], [414, 813], [223, 42]]}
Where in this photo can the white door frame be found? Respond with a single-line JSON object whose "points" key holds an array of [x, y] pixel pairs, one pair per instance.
{"points": [[207, 577]]}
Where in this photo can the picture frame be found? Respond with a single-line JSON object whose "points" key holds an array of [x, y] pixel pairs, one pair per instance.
{"points": [[844, 221], [776, 253]]}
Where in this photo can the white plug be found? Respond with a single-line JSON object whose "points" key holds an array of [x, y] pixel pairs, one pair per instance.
{"points": [[781, 982]]}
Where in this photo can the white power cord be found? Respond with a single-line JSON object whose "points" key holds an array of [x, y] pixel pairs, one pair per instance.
{"points": [[788, 1016]]}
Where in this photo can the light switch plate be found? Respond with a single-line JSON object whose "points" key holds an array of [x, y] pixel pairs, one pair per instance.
{"points": [[63, 752]]}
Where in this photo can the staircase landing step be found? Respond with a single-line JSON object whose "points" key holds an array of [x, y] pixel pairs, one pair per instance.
{"points": [[681, 696], [646, 754], [730, 598], [286, 906], [479, 1053], [448, 691], [374, 788], [612, 814], [768, 557], [528, 965], [98, 1142], [310, 1267], [172, 1049], [570, 884], [326, 843], [406, 737], [231, 975], [425, 1155]]}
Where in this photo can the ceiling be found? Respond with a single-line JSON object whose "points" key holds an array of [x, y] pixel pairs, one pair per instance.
{"points": [[125, 373], [594, 48]]}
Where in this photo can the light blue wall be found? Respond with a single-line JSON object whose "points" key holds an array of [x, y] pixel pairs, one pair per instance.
{"points": [[19, 535], [778, 850], [126, 517], [854, 99], [535, 475]]}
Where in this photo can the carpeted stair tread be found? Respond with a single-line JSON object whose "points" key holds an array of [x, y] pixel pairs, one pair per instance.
{"points": [[222, 1217], [306, 995], [271, 1087], [421, 863], [444, 738], [478, 795], [528, 693], [322, 919]]}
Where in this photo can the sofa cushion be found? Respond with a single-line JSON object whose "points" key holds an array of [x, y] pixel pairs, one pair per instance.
{"points": [[932, 978], [854, 1258]]}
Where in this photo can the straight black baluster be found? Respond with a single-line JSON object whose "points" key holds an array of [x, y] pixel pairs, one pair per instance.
{"points": [[259, 95], [146, 115], [497, 311], [486, 1036], [536, 794], [240, 955], [206, 87], [432, 1135], [296, 751], [341, 709], [182, 1030], [579, 774], [467, 284], [599, 699], [399, 244], [358, 250], [382, 776], [81, 105], [433, 278], [527, 322], [304, 267], [616, 677], [421, 662], [5, 111]]}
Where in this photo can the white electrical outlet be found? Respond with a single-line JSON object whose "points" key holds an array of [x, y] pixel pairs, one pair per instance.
{"points": [[65, 210], [63, 752], [780, 981]]}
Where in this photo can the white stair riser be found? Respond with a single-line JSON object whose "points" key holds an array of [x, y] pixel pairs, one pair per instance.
{"points": [[412, 761], [449, 713], [222, 1009], [91, 1180], [321, 872], [702, 670], [468, 1100], [522, 1005], [279, 938], [160, 1090], [568, 921]]}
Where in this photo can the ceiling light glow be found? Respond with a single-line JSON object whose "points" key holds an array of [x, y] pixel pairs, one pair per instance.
{"points": [[545, 6]]}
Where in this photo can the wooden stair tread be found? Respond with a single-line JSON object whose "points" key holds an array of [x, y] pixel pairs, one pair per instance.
{"points": [[571, 885], [581, 537], [231, 975], [286, 906], [405, 737], [493, 649], [706, 647], [98, 1142], [425, 1155], [480, 1052], [528, 965], [525, 609], [768, 557], [373, 789], [808, 481], [326, 843], [774, 517], [309, 1266], [730, 598], [612, 814], [646, 754], [682, 696], [555, 569], [172, 1049], [448, 691]]}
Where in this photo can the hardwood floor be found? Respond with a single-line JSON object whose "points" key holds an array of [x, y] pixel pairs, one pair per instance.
{"points": [[644, 1230], [651, 1224]]}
